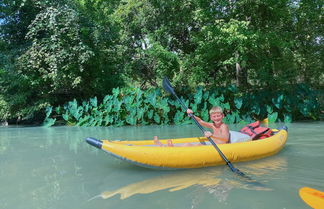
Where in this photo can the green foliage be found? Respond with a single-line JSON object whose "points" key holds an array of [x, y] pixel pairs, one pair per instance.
{"points": [[4, 109], [123, 107], [56, 50], [58, 54], [132, 106], [49, 121]]}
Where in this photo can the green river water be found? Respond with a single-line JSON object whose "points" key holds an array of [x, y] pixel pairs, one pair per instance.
{"points": [[53, 168]]}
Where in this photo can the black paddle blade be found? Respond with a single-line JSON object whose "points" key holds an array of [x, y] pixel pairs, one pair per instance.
{"points": [[167, 86], [237, 171]]}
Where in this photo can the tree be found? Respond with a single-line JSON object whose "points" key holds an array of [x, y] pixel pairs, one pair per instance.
{"points": [[63, 53]]}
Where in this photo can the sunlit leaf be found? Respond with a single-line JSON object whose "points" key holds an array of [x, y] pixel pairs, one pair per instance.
{"points": [[238, 102], [272, 118]]}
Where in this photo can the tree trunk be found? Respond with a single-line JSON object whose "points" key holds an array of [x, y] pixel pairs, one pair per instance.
{"points": [[241, 74]]}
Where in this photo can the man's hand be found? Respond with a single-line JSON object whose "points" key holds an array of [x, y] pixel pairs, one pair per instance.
{"points": [[208, 134]]}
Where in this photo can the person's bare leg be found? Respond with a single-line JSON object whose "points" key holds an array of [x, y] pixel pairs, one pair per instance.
{"points": [[189, 145], [170, 144]]}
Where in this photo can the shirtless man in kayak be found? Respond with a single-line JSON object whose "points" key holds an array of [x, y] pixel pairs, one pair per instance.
{"points": [[220, 133]]}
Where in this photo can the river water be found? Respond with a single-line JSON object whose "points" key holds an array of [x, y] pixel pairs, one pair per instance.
{"points": [[53, 168]]}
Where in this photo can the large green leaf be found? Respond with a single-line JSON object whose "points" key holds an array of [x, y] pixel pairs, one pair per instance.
{"points": [[272, 118], [115, 92], [238, 101], [49, 122], [277, 101], [106, 99], [226, 106], [65, 116], [204, 112], [213, 100], [287, 118], [117, 105], [131, 120], [178, 117], [157, 118], [83, 121], [255, 109], [198, 96], [48, 111], [108, 120], [229, 119], [150, 114], [206, 95], [94, 102], [151, 98], [58, 110]]}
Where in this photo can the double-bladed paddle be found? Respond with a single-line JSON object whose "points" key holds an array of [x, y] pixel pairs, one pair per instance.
{"points": [[167, 87]]}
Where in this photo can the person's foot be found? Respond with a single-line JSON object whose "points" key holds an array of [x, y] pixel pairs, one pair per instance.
{"points": [[156, 141]]}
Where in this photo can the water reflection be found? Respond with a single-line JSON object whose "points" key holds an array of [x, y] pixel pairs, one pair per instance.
{"points": [[212, 179]]}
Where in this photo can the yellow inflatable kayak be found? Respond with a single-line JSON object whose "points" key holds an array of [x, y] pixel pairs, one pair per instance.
{"points": [[312, 197], [146, 154]]}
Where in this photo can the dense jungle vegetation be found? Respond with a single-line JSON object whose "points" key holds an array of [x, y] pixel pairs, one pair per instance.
{"points": [[101, 62]]}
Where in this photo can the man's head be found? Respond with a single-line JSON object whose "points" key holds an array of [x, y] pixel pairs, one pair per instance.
{"points": [[216, 109], [216, 114]]}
